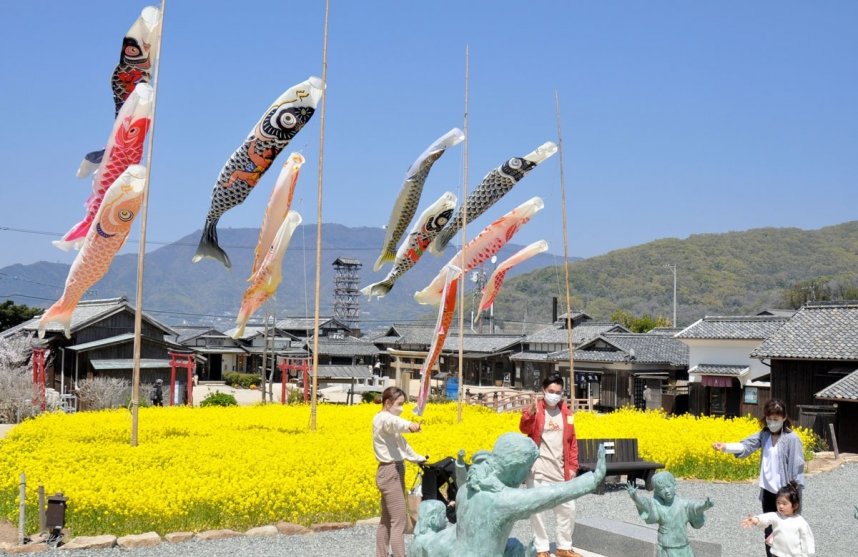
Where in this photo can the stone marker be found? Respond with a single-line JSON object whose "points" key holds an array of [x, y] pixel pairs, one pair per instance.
{"points": [[91, 542], [29, 548], [291, 529], [179, 537], [223, 534], [262, 531], [328, 526], [149, 539]]}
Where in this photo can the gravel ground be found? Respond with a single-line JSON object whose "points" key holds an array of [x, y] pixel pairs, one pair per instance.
{"points": [[830, 499]]}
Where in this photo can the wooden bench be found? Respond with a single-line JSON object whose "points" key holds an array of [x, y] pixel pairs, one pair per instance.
{"points": [[621, 457]]}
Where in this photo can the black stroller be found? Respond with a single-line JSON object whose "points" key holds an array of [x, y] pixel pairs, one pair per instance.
{"points": [[439, 482]]}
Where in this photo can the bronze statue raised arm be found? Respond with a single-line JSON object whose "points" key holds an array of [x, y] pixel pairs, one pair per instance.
{"points": [[490, 501]]}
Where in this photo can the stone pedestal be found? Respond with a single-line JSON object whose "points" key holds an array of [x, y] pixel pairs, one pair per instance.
{"points": [[612, 537]]}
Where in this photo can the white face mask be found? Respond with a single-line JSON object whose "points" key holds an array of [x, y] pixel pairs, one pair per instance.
{"points": [[552, 399], [774, 425]]}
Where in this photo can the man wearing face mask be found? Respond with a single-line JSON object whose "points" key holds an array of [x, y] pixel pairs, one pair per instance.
{"points": [[782, 455], [552, 427]]}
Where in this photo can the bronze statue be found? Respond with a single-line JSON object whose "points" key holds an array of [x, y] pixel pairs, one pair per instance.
{"points": [[490, 502], [671, 513]]}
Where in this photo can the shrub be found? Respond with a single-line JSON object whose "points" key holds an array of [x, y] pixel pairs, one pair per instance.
{"points": [[100, 393], [295, 396], [370, 396], [218, 398], [243, 380], [16, 380]]}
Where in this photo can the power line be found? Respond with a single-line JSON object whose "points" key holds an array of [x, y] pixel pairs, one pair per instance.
{"points": [[189, 244]]}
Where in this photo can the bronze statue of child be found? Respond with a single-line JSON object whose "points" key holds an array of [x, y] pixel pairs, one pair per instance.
{"points": [[671, 513]]}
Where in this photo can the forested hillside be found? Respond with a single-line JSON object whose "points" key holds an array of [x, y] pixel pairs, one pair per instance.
{"points": [[732, 273]]}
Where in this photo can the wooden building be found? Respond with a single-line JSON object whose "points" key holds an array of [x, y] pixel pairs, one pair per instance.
{"points": [[844, 395], [626, 369], [724, 380], [816, 348], [102, 344]]}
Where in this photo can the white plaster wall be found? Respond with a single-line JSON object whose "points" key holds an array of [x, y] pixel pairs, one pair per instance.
{"points": [[725, 352]]}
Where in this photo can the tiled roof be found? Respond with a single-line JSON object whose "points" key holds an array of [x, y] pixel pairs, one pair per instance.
{"points": [[845, 389], [718, 369], [128, 363], [343, 372], [529, 357], [118, 339], [575, 316], [648, 349], [416, 334], [86, 313], [818, 331], [580, 333], [349, 346], [486, 344], [422, 336], [670, 331], [741, 327], [306, 323], [778, 312], [592, 329], [186, 332]]}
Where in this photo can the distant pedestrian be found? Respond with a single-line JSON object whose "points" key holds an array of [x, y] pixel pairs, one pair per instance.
{"points": [[157, 395], [782, 456]]}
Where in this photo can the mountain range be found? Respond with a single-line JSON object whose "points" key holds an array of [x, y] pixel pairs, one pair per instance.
{"points": [[734, 273], [177, 291], [716, 274]]}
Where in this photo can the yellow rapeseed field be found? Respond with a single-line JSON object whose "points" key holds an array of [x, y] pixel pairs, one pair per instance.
{"points": [[238, 467]]}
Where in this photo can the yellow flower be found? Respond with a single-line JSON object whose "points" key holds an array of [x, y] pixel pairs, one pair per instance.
{"points": [[238, 467]]}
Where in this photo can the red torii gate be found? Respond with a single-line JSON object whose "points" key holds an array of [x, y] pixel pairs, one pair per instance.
{"points": [[185, 360], [39, 377], [298, 365]]}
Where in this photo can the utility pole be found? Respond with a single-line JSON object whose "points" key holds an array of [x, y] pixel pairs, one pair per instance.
{"points": [[673, 266]]}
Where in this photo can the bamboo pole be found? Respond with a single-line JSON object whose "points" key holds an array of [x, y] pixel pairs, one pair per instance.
{"points": [[565, 255], [319, 222], [464, 241], [22, 507], [144, 210]]}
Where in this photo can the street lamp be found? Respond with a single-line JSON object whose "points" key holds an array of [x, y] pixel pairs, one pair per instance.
{"points": [[673, 266]]}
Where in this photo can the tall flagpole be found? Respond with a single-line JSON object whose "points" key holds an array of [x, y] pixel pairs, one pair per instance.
{"points": [[319, 222], [464, 242], [144, 210], [565, 253]]}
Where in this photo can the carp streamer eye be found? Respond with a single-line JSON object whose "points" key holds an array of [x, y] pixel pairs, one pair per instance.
{"points": [[125, 215], [286, 120], [515, 164]]}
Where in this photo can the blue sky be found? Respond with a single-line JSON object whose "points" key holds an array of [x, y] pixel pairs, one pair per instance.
{"points": [[678, 118]]}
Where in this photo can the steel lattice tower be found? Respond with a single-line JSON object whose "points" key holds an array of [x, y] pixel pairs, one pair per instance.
{"points": [[346, 293]]}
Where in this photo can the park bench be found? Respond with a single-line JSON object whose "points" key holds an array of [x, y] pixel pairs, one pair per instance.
{"points": [[621, 457]]}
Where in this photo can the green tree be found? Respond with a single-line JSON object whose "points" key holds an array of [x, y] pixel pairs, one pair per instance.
{"points": [[641, 324], [812, 290], [12, 314]]}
